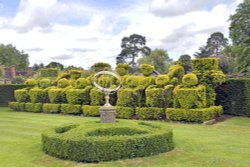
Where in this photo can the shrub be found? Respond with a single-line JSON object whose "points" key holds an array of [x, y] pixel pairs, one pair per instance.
{"points": [[96, 97], [81, 83], [30, 83], [193, 115], [190, 98], [90, 111], [145, 82], [234, 96], [125, 112], [38, 95], [71, 109], [51, 108], [176, 71], [122, 69], [155, 97], [49, 72], [132, 81], [78, 96], [21, 95], [128, 97], [162, 80], [63, 83], [7, 93], [149, 113], [190, 80], [16, 106], [146, 69], [34, 107], [107, 142], [205, 64], [100, 66], [56, 95], [44, 83], [75, 74]]}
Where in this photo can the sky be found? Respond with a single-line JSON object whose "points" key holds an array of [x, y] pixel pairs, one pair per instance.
{"points": [[83, 32]]}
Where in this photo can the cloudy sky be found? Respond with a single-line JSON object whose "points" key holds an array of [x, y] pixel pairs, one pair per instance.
{"points": [[82, 32]]}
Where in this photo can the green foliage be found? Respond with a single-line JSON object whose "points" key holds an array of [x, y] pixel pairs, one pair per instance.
{"points": [[57, 95], [155, 97], [75, 74], [51, 108], [128, 97], [22, 95], [146, 69], [162, 80], [243, 59], [44, 83], [33, 107], [81, 83], [96, 97], [234, 96], [48, 72], [185, 62], [193, 115], [9, 55], [71, 109], [30, 83], [133, 81], [190, 80], [78, 96], [16, 106], [188, 98], [38, 95], [55, 65], [145, 82], [122, 69], [204, 64], [100, 66], [125, 112], [176, 73], [149, 113], [107, 142], [63, 83], [90, 111]]}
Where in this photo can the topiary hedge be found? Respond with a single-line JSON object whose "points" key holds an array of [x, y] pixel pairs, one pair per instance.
{"points": [[38, 95], [205, 64], [125, 112], [16, 106], [234, 96], [146, 69], [22, 95], [33, 107], [94, 142], [90, 111], [193, 115], [78, 96], [71, 109], [149, 113], [51, 108]]}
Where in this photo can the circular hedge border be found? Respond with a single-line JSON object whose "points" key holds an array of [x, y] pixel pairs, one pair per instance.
{"points": [[94, 142]]}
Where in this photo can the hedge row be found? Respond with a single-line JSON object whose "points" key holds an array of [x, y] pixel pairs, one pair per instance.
{"points": [[104, 142], [234, 96]]}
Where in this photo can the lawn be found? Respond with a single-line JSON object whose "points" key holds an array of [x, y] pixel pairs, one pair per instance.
{"points": [[223, 144]]}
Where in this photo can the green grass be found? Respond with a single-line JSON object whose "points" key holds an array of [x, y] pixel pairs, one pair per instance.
{"points": [[223, 144]]}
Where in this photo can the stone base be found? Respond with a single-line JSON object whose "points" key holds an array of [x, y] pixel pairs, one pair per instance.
{"points": [[107, 114]]}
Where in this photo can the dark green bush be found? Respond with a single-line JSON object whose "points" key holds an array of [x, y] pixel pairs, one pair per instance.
{"points": [[7, 93], [38, 95], [63, 83], [149, 113], [90, 111], [44, 83], [78, 96], [205, 64], [146, 69], [81, 83], [22, 95], [96, 97], [71, 109], [193, 115], [234, 96], [105, 142], [34, 107], [51, 108], [16, 106], [125, 112], [49, 72]]}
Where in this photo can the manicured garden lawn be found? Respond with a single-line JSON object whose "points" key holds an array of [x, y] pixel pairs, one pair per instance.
{"points": [[223, 144]]}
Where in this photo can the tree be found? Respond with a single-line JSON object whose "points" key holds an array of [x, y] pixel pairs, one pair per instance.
{"points": [[228, 61], [131, 47], [36, 67], [158, 58], [185, 62], [9, 55], [55, 65], [100, 66], [239, 30], [216, 44], [203, 52]]}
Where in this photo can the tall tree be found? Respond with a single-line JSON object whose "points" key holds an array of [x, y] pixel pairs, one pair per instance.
{"points": [[9, 55], [216, 44], [158, 58], [185, 62], [132, 46], [203, 52], [54, 64]]}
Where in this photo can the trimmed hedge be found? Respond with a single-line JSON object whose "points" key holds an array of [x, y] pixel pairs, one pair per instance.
{"points": [[78, 96], [56, 95], [34, 107], [16, 106], [7, 93], [38, 95], [96, 97], [71, 109], [125, 112], [146, 69], [22, 95], [205, 64], [130, 97], [106, 142], [155, 97], [234, 96], [149, 113], [51, 108], [90, 111], [193, 115]]}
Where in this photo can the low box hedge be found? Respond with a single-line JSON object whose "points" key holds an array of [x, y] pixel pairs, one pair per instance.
{"points": [[51, 108], [149, 113], [90, 111], [33, 107], [71, 109], [125, 112]]}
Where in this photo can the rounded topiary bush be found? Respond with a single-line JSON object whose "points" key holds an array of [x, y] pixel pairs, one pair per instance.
{"points": [[63, 83], [82, 83], [146, 69], [44, 83], [162, 80], [30, 83], [122, 69], [94, 142], [190, 79]]}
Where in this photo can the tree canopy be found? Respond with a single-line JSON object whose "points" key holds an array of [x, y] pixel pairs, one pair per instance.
{"points": [[9, 55], [132, 46], [54, 64]]}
